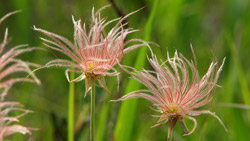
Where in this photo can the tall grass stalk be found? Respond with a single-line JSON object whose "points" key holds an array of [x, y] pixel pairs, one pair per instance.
{"points": [[71, 109]]}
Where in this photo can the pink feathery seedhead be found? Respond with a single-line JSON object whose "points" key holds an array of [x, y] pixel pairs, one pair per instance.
{"points": [[173, 93], [9, 64], [93, 53], [6, 122]]}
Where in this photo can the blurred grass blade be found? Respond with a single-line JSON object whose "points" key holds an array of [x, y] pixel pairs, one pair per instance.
{"points": [[127, 112], [23, 20], [101, 130], [241, 75], [106, 108]]}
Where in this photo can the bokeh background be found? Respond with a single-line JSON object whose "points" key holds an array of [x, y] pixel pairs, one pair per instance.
{"points": [[216, 29]]}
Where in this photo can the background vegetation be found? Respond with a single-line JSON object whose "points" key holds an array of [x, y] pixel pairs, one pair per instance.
{"points": [[216, 28]]}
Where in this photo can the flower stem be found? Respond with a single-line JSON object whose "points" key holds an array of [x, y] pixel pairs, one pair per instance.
{"points": [[170, 137], [92, 114], [71, 110]]}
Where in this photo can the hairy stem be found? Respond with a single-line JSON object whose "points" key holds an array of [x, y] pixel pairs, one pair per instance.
{"points": [[92, 115]]}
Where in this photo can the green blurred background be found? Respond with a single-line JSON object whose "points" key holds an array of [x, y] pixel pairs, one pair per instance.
{"points": [[216, 29]]}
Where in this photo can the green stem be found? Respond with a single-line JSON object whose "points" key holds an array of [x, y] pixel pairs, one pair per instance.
{"points": [[170, 137], [71, 110], [92, 114]]}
